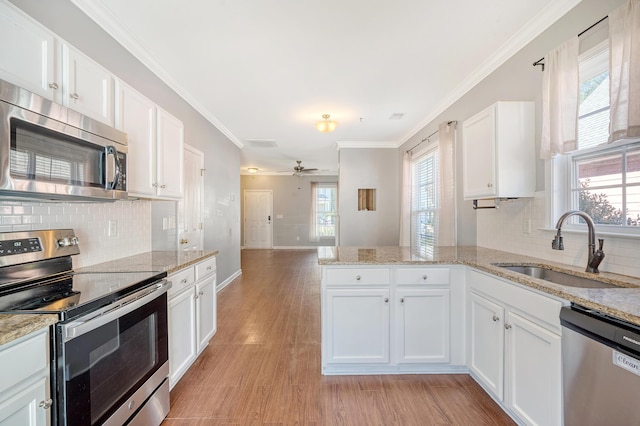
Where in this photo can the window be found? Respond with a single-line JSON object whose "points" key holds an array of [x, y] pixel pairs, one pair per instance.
{"points": [[424, 202], [324, 197], [604, 179]]}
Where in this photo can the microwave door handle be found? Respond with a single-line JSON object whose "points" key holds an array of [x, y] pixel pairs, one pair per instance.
{"points": [[111, 185]]}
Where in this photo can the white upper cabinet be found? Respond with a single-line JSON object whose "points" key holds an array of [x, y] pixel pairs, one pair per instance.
{"points": [[136, 116], [170, 155], [28, 53], [156, 141], [86, 86], [498, 152]]}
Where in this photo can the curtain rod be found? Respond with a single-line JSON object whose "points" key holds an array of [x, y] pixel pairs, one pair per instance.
{"points": [[540, 61], [449, 123]]}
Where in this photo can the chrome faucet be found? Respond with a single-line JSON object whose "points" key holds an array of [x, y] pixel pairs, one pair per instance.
{"points": [[595, 256]]}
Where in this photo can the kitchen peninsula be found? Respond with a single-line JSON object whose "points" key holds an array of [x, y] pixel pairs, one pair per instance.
{"points": [[388, 310]]}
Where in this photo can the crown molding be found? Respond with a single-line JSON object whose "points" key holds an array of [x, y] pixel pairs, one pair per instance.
{"points": [[543, 20], [97, 12]]}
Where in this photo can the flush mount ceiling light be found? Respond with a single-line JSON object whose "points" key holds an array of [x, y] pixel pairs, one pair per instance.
{"points": [[253, 170], [326, 125]]}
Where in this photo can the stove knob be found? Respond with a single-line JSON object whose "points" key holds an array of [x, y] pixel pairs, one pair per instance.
{"points": [[74, 241], [64, 242]]}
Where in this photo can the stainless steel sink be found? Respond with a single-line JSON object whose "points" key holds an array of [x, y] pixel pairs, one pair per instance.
{"points": [[556, 276]]}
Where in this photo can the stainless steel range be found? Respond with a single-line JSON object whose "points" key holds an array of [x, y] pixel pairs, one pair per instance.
{"points": [[110, 347]]}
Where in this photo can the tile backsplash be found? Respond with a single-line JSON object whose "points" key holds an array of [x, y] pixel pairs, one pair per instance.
{"points": [[506, 229], [91, 223]]}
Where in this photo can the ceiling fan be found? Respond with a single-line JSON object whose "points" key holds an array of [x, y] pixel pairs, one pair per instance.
{"points": [[299, 169]]}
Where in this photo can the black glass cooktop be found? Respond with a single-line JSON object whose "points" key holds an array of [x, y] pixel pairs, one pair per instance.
{"points": [[70, 295]]}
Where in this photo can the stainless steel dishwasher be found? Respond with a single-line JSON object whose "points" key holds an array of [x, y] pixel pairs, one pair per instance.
{"points": [[600, 368]]}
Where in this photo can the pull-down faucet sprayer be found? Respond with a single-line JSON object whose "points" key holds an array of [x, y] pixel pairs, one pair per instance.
{"points": [[595, 256]]}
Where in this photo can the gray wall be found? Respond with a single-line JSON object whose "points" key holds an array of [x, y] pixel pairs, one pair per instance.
{"points": [[222, 157], [377, 168], [292, 201], [516, 79]]}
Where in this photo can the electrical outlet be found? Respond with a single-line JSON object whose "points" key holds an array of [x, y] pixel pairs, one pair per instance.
{"points": [[297, 238], [113, 228]]}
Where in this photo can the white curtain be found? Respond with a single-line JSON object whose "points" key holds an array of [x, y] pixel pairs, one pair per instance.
{"points": [[405, 206], [624, 71], [446, 227], [560, 85], [313, 232]]}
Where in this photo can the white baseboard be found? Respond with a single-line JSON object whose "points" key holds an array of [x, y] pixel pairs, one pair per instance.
{"points": [[226, 282]]}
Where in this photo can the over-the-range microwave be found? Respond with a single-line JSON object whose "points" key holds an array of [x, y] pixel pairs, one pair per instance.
{"points": [[50, 152]]}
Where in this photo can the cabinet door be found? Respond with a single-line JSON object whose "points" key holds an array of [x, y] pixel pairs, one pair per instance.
{"points": [[28, 55], [422, 325], [169, 155], [356, 326], [23, 406], [136, 116], [206, 306], [479, 155], [87, 87], [182, 334], [533, 371], [486, 333]]}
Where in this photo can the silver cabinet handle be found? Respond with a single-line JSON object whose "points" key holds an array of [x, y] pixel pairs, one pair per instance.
{"points": [[402, 300], [386, 300], [201, 293], [46, 404], [183, 281], [358, 277], [53, 86], [495, 318], [424, 278], [155, 184], [507, 326], [74, 96], [163, 186], [489, 185], [208, 268]]}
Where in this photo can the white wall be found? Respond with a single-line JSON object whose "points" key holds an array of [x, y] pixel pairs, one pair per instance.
{"points": [[377, 168], [222, 157]]}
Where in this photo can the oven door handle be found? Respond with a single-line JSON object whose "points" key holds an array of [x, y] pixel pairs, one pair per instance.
{"points": [[111, 312]]}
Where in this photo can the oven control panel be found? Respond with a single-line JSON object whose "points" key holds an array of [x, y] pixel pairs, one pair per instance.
{"points": [[20, 246]]}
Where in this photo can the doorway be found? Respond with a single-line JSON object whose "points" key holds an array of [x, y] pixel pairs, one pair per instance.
{"points": [[258, 215]]}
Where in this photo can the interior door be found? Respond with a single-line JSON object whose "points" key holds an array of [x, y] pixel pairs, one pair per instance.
{"points": [[258, 215], [190, 235]]}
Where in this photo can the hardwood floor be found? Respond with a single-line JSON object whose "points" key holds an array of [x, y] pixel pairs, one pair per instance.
{"points": [[263, 365]]}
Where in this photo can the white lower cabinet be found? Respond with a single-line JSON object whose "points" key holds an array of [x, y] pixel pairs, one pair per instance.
{"points": [[422, 325], [514, 348], [25, 385], [357, 325], [192, 315], [386, 320]]}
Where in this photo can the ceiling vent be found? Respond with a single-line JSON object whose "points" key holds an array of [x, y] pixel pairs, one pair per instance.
{"points": [[396, 116], [262, 143]]}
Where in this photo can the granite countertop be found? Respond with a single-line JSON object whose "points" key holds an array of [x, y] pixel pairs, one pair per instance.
{"points": [[13, 326], [161, 261], [622, 302]]}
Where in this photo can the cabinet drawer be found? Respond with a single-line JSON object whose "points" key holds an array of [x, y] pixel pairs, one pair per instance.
{"points": [[422, 276], [205, 268], [18, 361], [181, 280], [357, 276]]}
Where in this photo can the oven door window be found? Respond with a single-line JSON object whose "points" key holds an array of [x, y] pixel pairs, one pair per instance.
{"points": [[107, 365], [40, 154]]}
